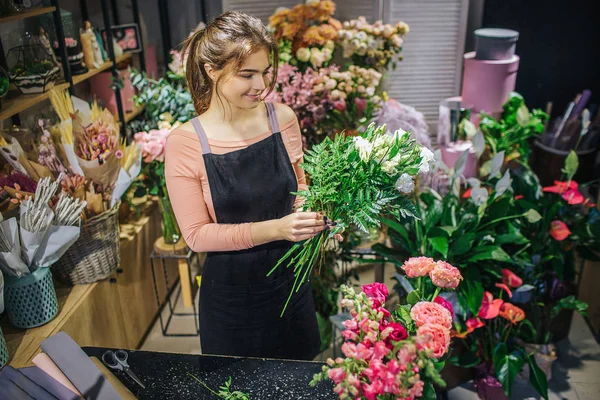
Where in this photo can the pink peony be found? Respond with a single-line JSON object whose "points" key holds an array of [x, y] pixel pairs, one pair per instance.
{"points": [[439, 338], [418, 266], [444, 303], [377, 292], [445, 275], [426, 312]]}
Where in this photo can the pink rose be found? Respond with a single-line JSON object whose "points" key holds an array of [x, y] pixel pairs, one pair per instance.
{"points": [[426, 312], [445, 275], [439, 338], [153, 151], [418, 266], [444, 303], [377, 292], [140, 137]]}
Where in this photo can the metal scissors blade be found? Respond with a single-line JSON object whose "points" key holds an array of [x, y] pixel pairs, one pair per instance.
{"points": [[133, 376]]}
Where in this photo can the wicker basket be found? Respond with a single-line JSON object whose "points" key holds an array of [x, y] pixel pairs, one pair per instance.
{"points": [[3, 351], [95, 255], [31, 300]]}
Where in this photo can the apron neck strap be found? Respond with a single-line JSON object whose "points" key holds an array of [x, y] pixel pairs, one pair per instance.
{"points": [[201, 135], [272, 117]]}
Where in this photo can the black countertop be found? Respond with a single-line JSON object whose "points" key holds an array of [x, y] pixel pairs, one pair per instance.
{"points": [[166, 376]]}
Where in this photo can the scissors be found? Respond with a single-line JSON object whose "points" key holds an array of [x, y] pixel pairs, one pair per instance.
{"points": [[118, 360]]}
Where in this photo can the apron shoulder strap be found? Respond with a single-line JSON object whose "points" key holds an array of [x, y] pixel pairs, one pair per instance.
{"points": [[272, 117], [201, 135]]}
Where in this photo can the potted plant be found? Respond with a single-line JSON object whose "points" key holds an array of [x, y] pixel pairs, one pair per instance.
{"points": [[490, 334]]}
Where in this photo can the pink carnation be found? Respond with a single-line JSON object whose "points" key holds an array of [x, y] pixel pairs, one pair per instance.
{"points": [[439, 338], [418, 266], [426, 312], [377, 292], [445, 275]]}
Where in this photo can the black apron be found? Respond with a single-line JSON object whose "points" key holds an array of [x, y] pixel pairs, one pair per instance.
{"points": [[240, 306]]}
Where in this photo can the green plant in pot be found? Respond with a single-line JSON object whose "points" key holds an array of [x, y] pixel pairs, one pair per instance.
{"points": [[569, 227]]}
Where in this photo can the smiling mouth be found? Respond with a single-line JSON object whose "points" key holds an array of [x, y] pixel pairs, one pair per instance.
{"points": [[254, 96]]}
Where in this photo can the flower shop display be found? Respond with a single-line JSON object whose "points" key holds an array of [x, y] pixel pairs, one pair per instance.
{"points": [[152, 144], [397, 354], [306, 33], [372, 45], [395, 115], [48, 225], [355, 180]]}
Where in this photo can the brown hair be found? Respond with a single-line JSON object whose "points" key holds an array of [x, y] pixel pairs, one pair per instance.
{"points": [[225, 44]]}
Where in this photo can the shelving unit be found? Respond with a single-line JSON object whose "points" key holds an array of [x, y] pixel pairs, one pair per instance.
{"points": [[34, 12], [17, 103], [108, 64]]}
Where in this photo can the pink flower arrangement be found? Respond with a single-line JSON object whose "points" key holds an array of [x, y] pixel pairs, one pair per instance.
{"points": [[153, 144], [388, 356]]}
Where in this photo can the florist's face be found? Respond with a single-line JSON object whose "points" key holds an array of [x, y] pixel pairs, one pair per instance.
{"points": [[243, 89]]}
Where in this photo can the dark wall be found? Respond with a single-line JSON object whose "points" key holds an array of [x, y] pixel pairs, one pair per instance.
{"points": [[559, 46]]}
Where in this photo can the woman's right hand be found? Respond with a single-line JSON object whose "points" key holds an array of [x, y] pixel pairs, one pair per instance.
{"points": [[301, 225]]}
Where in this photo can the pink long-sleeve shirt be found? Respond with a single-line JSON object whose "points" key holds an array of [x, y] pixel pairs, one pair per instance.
{"points": [[189, 191]]}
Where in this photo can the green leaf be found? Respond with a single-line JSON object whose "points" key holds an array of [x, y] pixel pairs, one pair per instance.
{"points": [[413, 297], [495, 253], [569, 303], [507, 366], [532, 216], [463, 244], [537, 377], [470, 291], [397, 227], [440, 244], [429, 392], [571, 165], [449, 229]]}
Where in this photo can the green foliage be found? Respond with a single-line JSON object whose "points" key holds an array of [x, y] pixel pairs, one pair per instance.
{"points": [[516, 126], [224, 391], [160, 97]]}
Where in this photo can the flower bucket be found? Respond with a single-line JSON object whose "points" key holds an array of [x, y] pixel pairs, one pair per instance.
{"points": [[545, 355], [487, 385], [31, 300]]}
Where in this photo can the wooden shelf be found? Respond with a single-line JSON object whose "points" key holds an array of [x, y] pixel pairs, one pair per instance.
{"points": [[80, 78], [21, 102], [26, 14], [131, 115]]}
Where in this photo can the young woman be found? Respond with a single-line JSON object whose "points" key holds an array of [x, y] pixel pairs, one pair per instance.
{"points": [[229, 174]]}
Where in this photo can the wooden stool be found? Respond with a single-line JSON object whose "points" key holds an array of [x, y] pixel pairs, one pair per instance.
{"points": [[180, 252]]}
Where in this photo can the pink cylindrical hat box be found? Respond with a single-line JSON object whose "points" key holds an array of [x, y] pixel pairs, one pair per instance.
{"points": [[487, 83], [101, 88]]}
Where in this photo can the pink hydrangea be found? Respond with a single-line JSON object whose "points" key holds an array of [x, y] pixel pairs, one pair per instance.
{"points": [[418, 266], [445, 275], [438, 339], [426, 312], [377, 292]]}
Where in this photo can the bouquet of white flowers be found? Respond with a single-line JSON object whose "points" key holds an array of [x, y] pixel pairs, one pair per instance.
{"points": [[354, 181]]}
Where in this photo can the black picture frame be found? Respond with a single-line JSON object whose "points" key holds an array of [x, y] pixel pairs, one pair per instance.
{"points": [[127, 36]]}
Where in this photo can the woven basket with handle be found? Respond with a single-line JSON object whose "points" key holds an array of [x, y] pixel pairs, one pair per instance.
{"points": [[95, 255]]}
